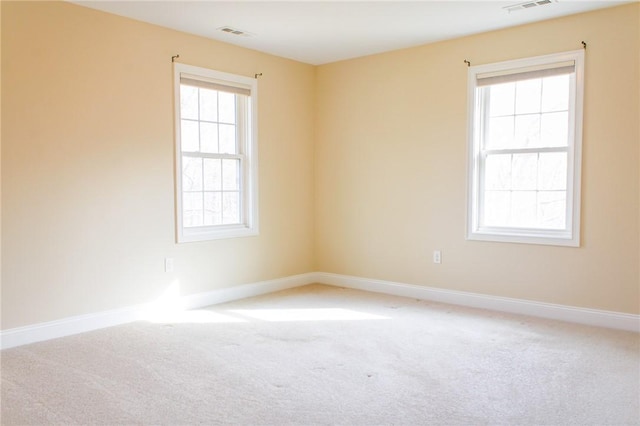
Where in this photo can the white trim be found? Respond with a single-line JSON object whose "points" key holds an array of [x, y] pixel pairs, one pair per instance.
{"points": [[79, 324], [594, 317], [68, 326]]}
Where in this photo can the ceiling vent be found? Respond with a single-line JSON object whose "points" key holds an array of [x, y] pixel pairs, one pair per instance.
{"points": [[528, 5], [235, 31]]}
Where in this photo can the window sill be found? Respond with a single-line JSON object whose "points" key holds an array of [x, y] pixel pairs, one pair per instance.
{"points": [[521, 236], [188, 235]]}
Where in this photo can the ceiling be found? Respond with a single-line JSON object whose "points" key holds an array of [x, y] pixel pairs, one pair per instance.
{"points": [[320, 32]]}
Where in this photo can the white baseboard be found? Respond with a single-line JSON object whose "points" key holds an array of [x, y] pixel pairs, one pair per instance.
{"points": [[68, 326], [599, 318], [79, 324]]}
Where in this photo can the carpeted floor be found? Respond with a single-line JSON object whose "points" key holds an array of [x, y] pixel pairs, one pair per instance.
{"points": [[325, 355]]}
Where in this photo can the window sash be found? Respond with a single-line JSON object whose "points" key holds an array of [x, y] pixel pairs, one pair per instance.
{"points": [[242, 177], [482, 191]]}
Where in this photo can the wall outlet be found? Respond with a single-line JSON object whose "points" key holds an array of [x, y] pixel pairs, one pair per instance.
{"points": [[437, 256], [168, 264]]}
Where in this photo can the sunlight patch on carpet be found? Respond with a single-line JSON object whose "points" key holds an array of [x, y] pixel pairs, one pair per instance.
{"points": [[192, 317], [284, 315]]}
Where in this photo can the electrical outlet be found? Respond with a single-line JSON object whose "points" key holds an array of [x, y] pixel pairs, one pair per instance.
{"points": [[168, 264], [437, 256]]}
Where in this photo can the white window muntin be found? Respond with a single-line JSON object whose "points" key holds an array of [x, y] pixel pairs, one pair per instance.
{"points": [[516, 70], [246, 155]]}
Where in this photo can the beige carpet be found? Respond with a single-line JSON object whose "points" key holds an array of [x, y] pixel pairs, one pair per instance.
{"points": [[324, 355]]}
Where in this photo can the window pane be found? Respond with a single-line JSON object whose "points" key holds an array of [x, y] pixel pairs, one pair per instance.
{"points": [[208, 105], [523, 209], [188, 102], [496, 208], [555, 129], [192, 209], [555, 93], [212, 174], [527, 131], [500, 133], [552, 209], [524, 172], [212, 208], [231, 175], [189, 136], [502, 99], [230, 207], [191, 174], [553, 171], [208, 137], [498, 172], [528, 94], [228, 139], [226, 107]]}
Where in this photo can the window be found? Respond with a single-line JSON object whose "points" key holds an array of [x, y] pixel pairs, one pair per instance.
{"points": [[216, 154], [525, 127]]}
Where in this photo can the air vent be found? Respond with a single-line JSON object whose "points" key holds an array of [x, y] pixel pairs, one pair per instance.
{"points": [[527, 5], [235, 31]]}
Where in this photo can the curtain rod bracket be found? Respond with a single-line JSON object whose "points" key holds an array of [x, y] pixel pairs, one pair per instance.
{"points": [[584, 45], [257, 75], [467, 62], [173, 58]]}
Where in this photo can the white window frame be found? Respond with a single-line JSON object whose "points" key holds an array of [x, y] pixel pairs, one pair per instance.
{"points": [[247, 154], [570, 236]]}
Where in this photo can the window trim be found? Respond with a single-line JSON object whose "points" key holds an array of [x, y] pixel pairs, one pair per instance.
{"points": [[571, 235], [248, 157]]}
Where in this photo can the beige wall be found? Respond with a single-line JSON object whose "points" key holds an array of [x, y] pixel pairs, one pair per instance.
{"points": [[0, 164], [362, 166], [87, 165], [391, 177]]}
